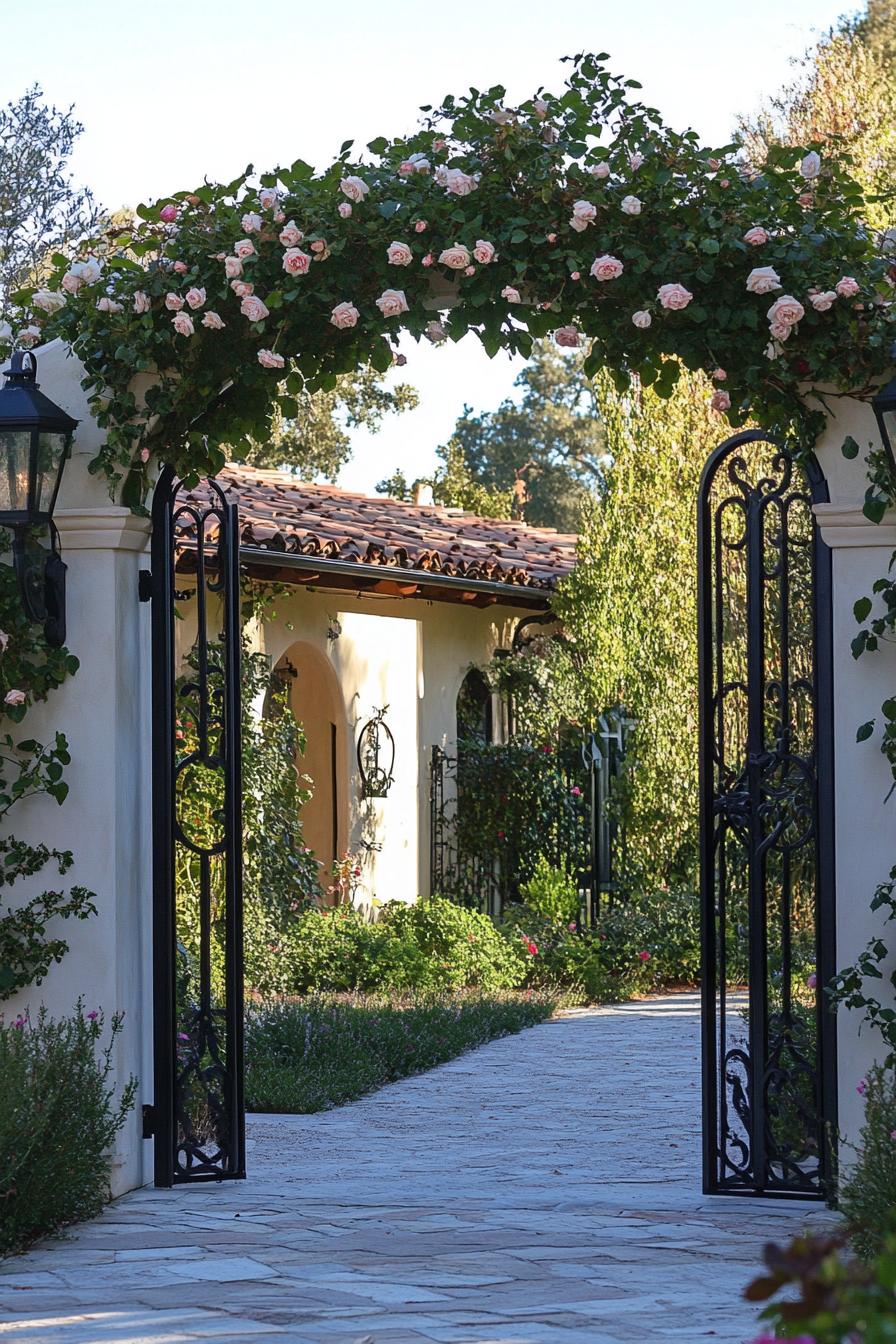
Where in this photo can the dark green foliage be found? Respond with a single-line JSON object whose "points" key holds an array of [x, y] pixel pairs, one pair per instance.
{"points": [[323, 1052], [867, 1194], [58, 1118]]}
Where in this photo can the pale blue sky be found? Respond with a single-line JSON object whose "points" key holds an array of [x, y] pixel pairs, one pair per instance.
{"points": [[182, 89]]}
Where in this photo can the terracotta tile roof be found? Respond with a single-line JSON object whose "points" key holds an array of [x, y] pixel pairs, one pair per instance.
{"points": [[283, 515]]}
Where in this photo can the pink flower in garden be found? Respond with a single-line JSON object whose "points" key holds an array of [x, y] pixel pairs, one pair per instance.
{"points": [[552, 237], [195, 297], [320, 249], [484, 251], [179, 268], [572, 926], [243, 247], [575, 275], [713, 165], [439, 144], [824, 301], [601, 170], [183, 324], [811, 980], [811, 165], [630, 205], [295, 261], [893, 1134], [719, 375], [780, 331], [168, 214], [806, 198], [107, 305], [642, 319], [674, 296], [469, 270], [720, 401], [420, 226], [344, 209], [92, 1015], [253, 308], [241, 288], [268, 360], [268, 197], [427, 260], [643, 956], [174, 302], [862, 1086], [576, 791], [847, 287], [436, 332], [456, 257], [399, 254], [355, 188], [344, 315], [212, 321], [635, 160], [756, 236], [4, 640], [290, 234], [49, 300], [458, 183], [510, 294], [141, 302], [762, 280], [233, 268], [567, 337], [251, 222], [14, 698], [583, 214], [786, 311], [606, 267], [532, 949], [392, 302]]}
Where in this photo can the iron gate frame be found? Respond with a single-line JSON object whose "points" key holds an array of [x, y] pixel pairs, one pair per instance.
{"points": [[713, 1072], [160, 589]]}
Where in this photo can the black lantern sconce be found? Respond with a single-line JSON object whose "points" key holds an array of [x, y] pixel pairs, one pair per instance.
{"points": [[376, 756], [35, 439], [885, 409]]}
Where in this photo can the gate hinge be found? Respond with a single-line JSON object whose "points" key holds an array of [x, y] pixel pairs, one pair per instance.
{"points": [[149, 1121], [144, 585]]}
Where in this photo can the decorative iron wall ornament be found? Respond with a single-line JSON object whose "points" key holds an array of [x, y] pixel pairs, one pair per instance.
{"points": [[197, 1116], [766, 785], [376, 756]]}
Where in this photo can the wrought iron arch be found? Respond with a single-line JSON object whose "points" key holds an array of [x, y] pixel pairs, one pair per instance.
{"points": [[766, 802]]}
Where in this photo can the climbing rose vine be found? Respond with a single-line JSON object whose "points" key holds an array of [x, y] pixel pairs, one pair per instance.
{"points": [[580, 214]]}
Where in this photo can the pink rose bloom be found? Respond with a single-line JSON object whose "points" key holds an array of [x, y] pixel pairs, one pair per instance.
{"points": [[458, 183], [575, 275], [355, 188], [212, 321], [635, 160], [291, 235], [510, 294], [399, 254], [439, 144], [584, 211], [484, 252], [141, 302], [811, 166], [642, 319], [344, 315], [606, 268], [251, 222], [601, 170], [420, 226], [195, 297], [719, 375], [295, 261], [540, 108], [243, 247], [822, 302], [806, 199], [180, 268], [720, 401], [241, 288], [762, 280], [469, 270], [268, 360], [630, 205], [71, 282], [674, 296], [780, 331], [643, 956], [436, 332], [756, 236], [713, 165], [552, 237], [861, 1088], [14, 698], [173, 302], [406, 168], [392, 302], [319, 247], [253, 308], [847, 288], [457, 257], [107, 305], [344, 209], [168, 214], [427, 260], [567, 337], [233, 267], [183, 324], [268, 197], [786, 311]]}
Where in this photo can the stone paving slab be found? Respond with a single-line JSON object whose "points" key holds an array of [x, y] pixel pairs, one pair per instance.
{"points": [[544, 1189]]}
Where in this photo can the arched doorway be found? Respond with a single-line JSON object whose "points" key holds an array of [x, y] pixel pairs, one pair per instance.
{"points": [[766, 782], [316, 701]]}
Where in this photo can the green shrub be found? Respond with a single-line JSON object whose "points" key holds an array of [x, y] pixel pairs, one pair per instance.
{"points": [[551, 892], [457, 947], [58, 1118], [839, 1300], [338, 949], [323, 1052], [867, 1195], [665, 924]]}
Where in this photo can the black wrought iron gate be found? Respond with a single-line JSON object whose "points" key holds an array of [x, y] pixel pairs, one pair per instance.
{"points": [[767, 863], [197, 1116]]}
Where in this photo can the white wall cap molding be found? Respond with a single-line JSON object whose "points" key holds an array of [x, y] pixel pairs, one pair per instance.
{"points": [[846, 525], [102, 529]]}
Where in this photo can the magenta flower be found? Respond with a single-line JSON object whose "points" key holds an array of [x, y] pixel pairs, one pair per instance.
{"points": [[644, 956], [812, 980], [92, 1015], [576, 791], [862, 1087]]}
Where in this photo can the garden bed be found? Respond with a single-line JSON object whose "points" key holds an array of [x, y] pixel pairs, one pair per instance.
{"points": [[310, 1054]]}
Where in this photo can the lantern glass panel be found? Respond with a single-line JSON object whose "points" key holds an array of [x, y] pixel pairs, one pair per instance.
{"points": [[51, 448], [15, 448]]}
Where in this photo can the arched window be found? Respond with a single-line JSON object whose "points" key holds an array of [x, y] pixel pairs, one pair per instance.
{"points": [[474, 709]]}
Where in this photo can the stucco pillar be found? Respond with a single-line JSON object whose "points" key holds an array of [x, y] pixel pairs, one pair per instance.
{"points": [[104, 711], [865, 822]]}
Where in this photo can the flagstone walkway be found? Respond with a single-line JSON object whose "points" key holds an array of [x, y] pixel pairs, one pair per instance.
{"points": [[542, 1190]]}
